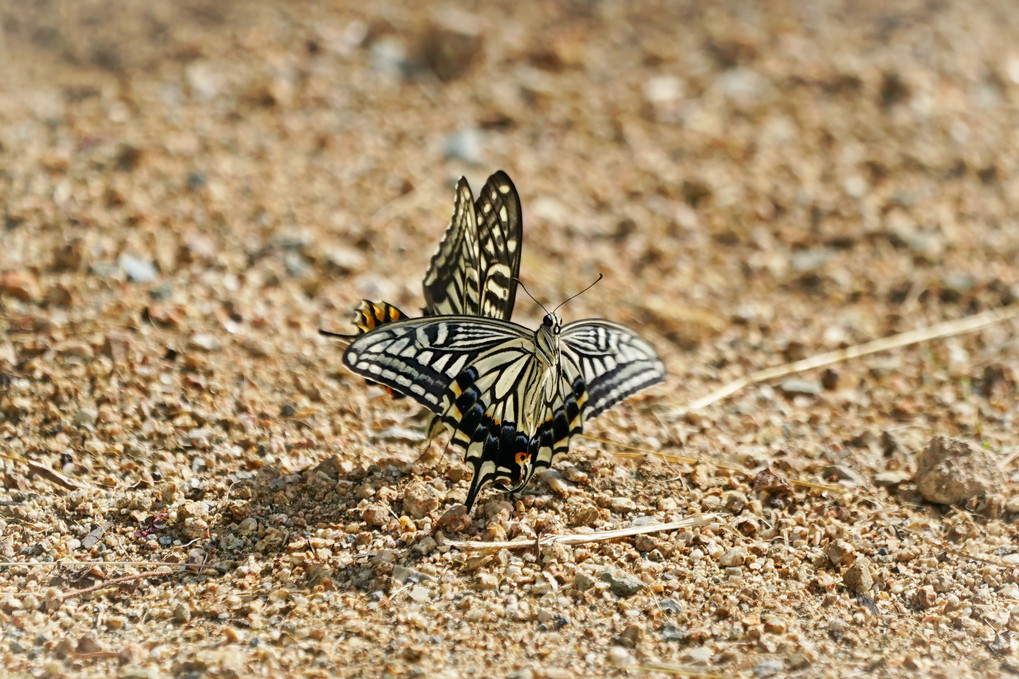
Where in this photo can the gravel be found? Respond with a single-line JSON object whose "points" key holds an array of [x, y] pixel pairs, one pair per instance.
{"points": [[193, 485]]}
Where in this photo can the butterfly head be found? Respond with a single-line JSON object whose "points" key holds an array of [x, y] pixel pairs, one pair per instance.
{"points": [[546, 338]]}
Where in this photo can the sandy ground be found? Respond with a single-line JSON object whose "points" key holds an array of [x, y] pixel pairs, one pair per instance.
{"points": [[195, 486]]}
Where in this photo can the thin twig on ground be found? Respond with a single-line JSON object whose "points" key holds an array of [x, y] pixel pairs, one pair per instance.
{"points": [[582, 538], [936, 331]]}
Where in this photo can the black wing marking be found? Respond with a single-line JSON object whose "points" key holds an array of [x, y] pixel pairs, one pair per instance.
{"points": [[475, 267], [474, 270]]}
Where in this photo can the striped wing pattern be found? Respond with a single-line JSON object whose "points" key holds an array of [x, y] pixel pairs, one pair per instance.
{"points": [[614, 361], [473, 271], [451, 281], [370, 315], [500, 238], [511, 398]]}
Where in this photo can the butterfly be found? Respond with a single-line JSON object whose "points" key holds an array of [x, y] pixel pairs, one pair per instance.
{"points": [[511, 397], [474, 270]]}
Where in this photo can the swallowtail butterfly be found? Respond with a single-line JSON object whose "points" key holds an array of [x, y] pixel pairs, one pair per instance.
{"points": [[512, 398]]}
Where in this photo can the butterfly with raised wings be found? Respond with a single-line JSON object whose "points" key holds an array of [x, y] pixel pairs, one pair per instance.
{"points": [[512, 398], [474, 270]]}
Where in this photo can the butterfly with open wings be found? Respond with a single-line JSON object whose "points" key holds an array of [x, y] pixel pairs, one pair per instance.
{"points": [[512, 398]]}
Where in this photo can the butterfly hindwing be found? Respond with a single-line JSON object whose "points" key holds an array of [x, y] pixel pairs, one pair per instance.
{"points": [[485, 411], [565, 415], [369, 315]]}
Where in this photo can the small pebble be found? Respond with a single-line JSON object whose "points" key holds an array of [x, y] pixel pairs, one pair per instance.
{"points": [[734, 557], [768, 667], [673, 633], [583, 582], [426, 545], [19, 285], [620, 657], [621, 583], [138, 270], [375, 515], [420, 594], [829, 379], [405, 574], [389, 57], [798, 386], [86, 416], [632, 634], [204, 342], [952, 471], [419, 499], [622, 505], [925, 597], [858, 577], [465, 145], [525, 673], [840, 553], [701, 655]]}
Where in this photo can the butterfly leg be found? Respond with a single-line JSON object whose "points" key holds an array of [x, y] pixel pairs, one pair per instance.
{"points": [[434, 429]]}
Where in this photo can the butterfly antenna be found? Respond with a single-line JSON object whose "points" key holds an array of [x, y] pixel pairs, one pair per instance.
{"points": [[524, 287], [600, 276]]}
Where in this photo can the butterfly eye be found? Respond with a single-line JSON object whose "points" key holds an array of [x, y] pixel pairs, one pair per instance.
{"points": [[548, 321]]}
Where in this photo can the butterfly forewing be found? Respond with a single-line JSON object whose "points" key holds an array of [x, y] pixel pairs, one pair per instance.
{"points": [[420, 357], [451, 284], [614, 361], [500, 237], [474, 270]]}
